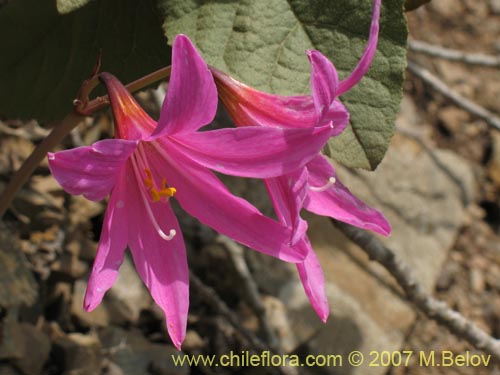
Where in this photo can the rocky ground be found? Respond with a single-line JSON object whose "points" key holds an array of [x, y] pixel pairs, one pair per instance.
{"points": [[469, 278], [439, 186]]}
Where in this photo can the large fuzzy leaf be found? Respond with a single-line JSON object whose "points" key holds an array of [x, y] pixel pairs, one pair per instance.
{"points": [[68, 6], [46, 56], [263, 43]]}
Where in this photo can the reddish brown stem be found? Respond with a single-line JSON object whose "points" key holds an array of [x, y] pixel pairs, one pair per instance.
{"points": [[83, 107]]}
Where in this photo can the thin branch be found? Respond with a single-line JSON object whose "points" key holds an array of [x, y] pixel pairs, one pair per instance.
{"points": [[453, 54], [438, 85], [83, 107], [211, 297], [23, 174], [433, 308], [235, 252]]}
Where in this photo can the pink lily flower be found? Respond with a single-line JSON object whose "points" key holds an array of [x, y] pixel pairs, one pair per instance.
{"points": [[149, 163], [316, 186]]}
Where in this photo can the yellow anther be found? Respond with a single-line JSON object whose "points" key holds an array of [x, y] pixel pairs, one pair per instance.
{"points": [[148, 181], [156, 194], [167, 192]]}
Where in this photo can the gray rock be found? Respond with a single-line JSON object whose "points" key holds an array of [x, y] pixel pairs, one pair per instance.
{"points": [[123, 303], [425, 208], [447, 8], [111, 368], [495, 6], [276, 316], [128, 296], [78, 354], [350, 327], [96, 318], [69, 265], [193, 341], [135, 355], [419, 194], [24, 346], [18, 285], [11, 338]]}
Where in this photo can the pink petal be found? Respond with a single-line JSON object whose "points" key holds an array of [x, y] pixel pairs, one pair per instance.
{"points": [[250, 107], [254, 151], [111, 247], [287, 194], [366, 60], [337, 201], [203, 196], [191, 100], [161, 264], [131, 122], [91, 170], [338, 115], [324, 81], [313, 281]]}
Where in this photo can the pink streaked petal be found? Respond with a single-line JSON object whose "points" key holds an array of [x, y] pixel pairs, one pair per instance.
{"points": [[313, 281], [338, 202], [249, 107], [91, 170], [191, 100], [131, 121], [287, 194], [254, 151], [111, 247], [366, 60], [161, 264], [203, 196], [338, 115], [324, 81]]}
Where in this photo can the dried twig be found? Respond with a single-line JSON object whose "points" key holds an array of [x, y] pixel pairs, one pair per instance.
{"points": [[458, 99], [433, 308], [82, 108], [453, 54], [211, 297], [236, 253]]}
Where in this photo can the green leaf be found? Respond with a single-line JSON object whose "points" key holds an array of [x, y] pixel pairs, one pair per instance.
{"points": [[68, 6], [263, 43], [46, 56]]}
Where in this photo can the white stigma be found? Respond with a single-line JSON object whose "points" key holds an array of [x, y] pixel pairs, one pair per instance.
{"points": [[149, 211], [170, 236], [161, 233], [328, 185]]}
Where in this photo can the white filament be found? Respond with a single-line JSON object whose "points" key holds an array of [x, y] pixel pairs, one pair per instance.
{"points": [[160, 232], [328, 185]]}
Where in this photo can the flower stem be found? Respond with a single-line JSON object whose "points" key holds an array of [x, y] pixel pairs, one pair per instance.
{"points": [[83, 107]]}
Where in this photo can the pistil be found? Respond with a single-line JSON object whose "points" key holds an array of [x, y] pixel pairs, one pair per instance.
{"points": [[139, 162], [318, 189]]}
